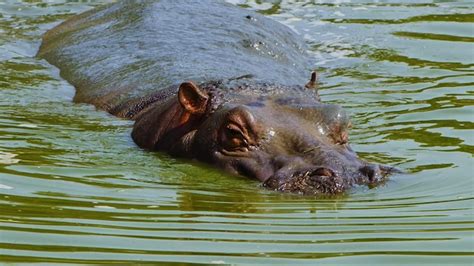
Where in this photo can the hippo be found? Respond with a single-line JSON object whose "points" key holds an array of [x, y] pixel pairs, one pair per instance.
{"points": [[211, 81]]}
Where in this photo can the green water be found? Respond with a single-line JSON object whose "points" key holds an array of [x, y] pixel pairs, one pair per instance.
{"points": [[75, 189]]}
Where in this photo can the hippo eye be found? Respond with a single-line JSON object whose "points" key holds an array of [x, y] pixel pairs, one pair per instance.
{"points": [[233, 131], [233, 137]]}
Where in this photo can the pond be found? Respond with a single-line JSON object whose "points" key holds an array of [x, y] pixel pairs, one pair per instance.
{"points": [[74, 188]]}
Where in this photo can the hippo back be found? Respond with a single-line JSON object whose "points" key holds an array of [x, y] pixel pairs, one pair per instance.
{"points": [[130, 49]]}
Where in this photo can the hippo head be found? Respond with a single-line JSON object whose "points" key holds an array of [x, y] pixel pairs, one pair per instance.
{"points": [[280, 135]]}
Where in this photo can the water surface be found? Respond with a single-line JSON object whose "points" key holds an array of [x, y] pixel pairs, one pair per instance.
{"points": [[75, 189]]}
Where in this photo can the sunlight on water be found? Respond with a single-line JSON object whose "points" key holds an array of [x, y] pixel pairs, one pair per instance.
{"points": [[74, 188]]}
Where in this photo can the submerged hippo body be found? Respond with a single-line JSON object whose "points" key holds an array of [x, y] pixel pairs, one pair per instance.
{"points": [[249, 108]]}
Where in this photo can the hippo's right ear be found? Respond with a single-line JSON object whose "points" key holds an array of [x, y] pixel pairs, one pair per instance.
{"points": [[192, 98]]}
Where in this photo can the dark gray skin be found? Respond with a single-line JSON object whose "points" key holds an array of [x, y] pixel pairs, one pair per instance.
{"points": [[251, 107]]}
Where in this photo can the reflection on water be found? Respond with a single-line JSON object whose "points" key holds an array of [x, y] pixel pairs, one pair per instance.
{"points": [[74, 188]]}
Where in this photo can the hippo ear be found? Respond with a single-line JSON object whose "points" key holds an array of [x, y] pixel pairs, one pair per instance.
{"points": [[312, 82], [192, 98]]}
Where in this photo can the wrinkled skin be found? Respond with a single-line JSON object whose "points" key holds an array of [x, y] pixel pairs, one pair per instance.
{"points": [[252, 110], [290, 143]]}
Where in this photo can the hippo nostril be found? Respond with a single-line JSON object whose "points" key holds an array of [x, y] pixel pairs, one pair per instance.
{"points": [[370, 171], [313, 173], [323, 172]]}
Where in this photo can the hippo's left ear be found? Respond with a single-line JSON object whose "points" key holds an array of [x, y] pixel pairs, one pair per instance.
{"points": [[192, 98]]}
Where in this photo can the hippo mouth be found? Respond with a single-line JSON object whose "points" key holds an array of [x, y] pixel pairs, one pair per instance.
{"points": [[321, 181]]}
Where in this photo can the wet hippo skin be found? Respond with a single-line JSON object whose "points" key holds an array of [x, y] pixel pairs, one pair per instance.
{"points": [[214, 82]]}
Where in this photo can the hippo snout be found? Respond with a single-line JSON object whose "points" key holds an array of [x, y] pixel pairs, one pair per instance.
{"points": [[323, 180], [319, 180]]}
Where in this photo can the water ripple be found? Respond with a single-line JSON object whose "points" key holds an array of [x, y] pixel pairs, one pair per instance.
{"points": [[75, 189]]}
